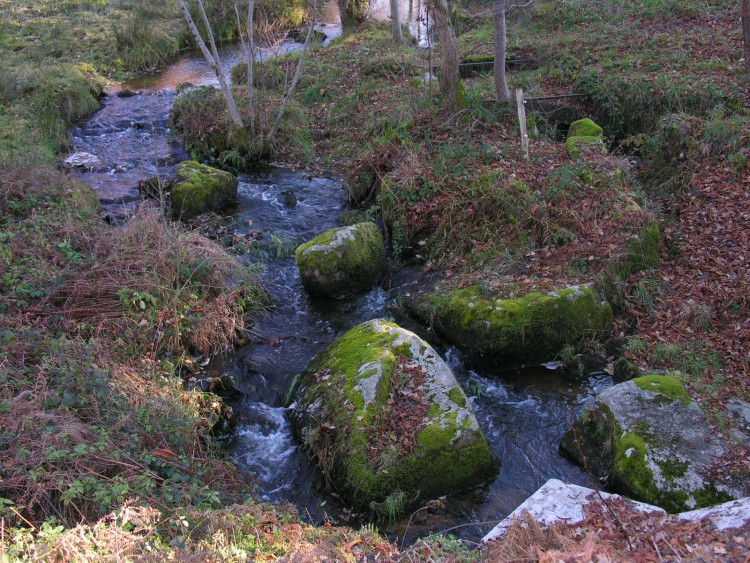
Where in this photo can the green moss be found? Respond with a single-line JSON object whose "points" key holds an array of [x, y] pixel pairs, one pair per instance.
{"points": [[573, 145], [200, 188], [710, 496], [342, 261], [479, 59], [584, 128], [642, 253], [533, 328], [665, 385], [434, 411], [457, 396], [673, 469]]}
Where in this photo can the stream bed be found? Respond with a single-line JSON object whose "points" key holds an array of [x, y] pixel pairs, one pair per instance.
{"points": [[523, 414]]}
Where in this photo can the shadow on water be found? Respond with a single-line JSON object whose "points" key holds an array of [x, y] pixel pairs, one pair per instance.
{"points": [[523, 414]]}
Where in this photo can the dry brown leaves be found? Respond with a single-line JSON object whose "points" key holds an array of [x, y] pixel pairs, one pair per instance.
{"points": [[617, 533], [404, 413], [708, 297]]}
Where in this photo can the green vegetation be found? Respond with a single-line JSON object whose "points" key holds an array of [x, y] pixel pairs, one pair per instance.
{"points": [[584, 128], [668, 386]]}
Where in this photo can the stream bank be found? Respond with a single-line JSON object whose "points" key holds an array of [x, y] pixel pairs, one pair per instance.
{"points": [[523, 417]]}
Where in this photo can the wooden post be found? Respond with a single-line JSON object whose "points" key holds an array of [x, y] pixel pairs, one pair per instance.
{"points": [[522, 123], [745, 17]]}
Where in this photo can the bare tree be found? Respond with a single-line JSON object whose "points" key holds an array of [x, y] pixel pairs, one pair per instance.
{"points": [[499, 7], [745, 17], [297, 72], [248, 50], [248, 47], [212, 57], [398, 34], [450, 84], [499, 10]]}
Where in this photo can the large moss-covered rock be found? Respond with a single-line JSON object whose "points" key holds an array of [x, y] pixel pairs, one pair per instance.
{"points": [[342, 261], [584, 128], [649, 439], [387, 422], [198, 188], [584, 134], [529, 330]]}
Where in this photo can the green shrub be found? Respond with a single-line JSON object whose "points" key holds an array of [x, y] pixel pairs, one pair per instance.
{"points": [[671, 155]]}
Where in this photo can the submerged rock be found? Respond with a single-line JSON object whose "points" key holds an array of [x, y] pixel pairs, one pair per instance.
{"points": [[387, 421], [342, 261], [83, 161], [529, 330], [649, 439], [289, 198], [198, 188]]}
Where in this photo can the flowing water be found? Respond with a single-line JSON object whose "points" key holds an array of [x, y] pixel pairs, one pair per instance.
{"points": [[523, 414]]}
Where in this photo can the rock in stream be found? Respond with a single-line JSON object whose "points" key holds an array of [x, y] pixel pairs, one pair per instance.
{"points": [[387, 421]]}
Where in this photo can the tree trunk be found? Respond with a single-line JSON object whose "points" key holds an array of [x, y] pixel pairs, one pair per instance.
{"points": [[501, 82], [248, 50], [353, 13], [398, 34], [213, 60], [745, 15], [450, 85]]}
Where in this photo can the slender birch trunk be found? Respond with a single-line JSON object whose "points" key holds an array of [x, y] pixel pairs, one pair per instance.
{"points": [[248, 50], [499, 7], [297, 73], [212, 59]]}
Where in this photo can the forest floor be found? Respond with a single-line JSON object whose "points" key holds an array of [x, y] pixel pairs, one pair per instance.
{"points": [[107, 456]]}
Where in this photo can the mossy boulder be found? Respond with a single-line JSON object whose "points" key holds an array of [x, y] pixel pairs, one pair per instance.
{"points": [[198, 188], [387, 421], [584, 128], [584, 134], [532, 329], [650, 441], [342, 261]]}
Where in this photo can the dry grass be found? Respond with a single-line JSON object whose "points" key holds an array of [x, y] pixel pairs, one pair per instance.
{"points": [[195, 285]]}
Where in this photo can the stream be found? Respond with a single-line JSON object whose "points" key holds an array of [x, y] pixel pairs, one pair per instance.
{"points": [[523, 414]]}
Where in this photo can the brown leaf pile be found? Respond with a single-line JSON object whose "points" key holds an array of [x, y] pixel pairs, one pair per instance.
{"points": [[405, 412], [616, 533]]}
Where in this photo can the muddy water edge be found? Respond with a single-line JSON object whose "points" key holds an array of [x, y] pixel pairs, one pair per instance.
{"points": [[523, 414]]}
